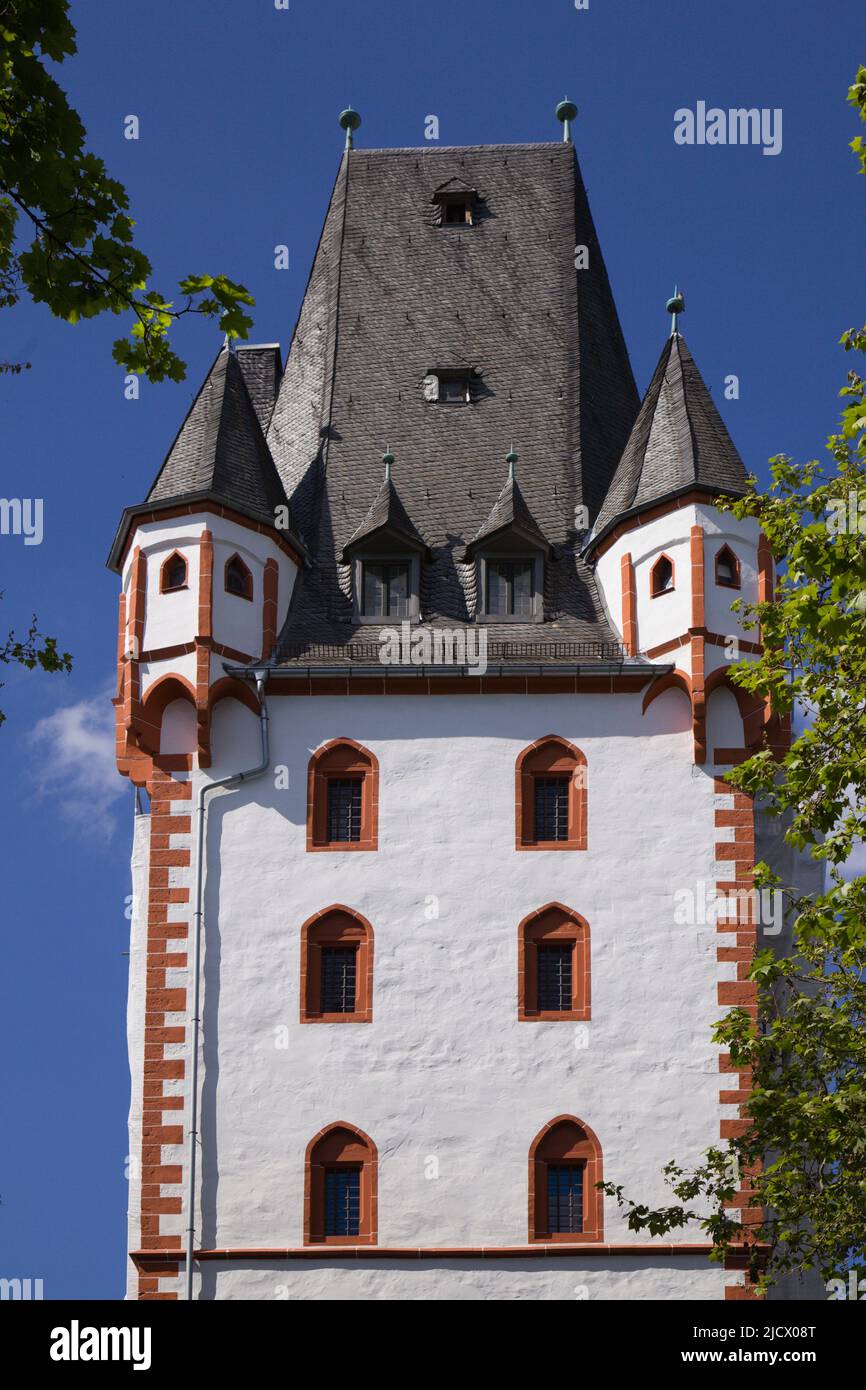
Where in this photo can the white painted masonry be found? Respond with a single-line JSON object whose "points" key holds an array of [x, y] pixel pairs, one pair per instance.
{"points": [[445, 1071]]}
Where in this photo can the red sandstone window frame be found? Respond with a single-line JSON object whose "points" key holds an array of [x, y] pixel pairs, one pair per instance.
{"points": [[164, 586], [340, 1145], [246, 572], [342, 758], [734, 583], [566, 1139], [336, 926], [551, 756], [656, 591], [553, 925]]}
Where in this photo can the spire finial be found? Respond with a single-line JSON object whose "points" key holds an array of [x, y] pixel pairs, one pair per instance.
{"points": [[676, 305], [566, 112], [387, 459], [349, 121], [511, 459]]}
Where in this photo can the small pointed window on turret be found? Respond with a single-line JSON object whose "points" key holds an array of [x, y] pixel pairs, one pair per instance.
{"points": [[239, 581], [727, 568], [173, 574], [662, 577]]}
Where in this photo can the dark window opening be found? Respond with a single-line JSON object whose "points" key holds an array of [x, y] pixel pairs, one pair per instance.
{"points": [[727, 568], [385, 590], [239, 581], [454, 390], [554, 978], [339, 969], [344, 809], [342, 1201], [565, 1198], [457, 210], [662, 576], [551, 808], [174, 574], [509, 588]]}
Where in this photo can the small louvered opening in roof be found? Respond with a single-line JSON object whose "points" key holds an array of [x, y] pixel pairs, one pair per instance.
{"points": [[454, 388], [457, 210]]}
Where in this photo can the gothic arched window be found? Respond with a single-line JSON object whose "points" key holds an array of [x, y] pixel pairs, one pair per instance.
{"points": [[553, 966], [565, 1164], [550, 795], [342, 797], [727, 568], [340, 1187], [239, 581], [662, 576], [337, 967], [173, 574]]}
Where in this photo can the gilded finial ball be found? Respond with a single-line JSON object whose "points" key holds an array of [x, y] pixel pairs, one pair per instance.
{"points": [[511, 457], [566, 111], [676, 304], [349, 119]]}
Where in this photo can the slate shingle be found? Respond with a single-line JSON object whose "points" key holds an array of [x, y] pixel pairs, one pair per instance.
{"points": [[220, 448], [391, 296], [679, 441]]}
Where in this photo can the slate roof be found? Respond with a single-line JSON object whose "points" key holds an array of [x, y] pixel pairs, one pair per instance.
{"points": [[679, 442], [261, 368], [386, 513], [391, 296], [221, 448], [219, 453], [509, 513]]}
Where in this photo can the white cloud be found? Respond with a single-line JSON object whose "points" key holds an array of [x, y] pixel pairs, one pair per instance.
{"points": [[75, 765]]}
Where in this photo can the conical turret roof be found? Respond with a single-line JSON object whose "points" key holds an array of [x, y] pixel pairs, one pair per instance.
{"points": [[679, 441]]}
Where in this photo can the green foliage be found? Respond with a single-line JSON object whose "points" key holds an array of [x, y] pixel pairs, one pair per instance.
{"points": [[82, 259], [35, 649], [803, 1152]]}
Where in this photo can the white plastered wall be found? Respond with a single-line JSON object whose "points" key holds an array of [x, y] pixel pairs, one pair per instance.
{"points": [[446, 1080], [669, 616], [172, 619]]}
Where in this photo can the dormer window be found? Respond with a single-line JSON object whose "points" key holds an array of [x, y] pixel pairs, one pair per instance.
{"points": [[457, 210], [509, 588], [457, 202], [449, 387], [386, 588]]}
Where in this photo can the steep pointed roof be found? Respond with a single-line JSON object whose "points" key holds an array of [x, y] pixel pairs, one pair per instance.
{"points": [[387, 514], [679, 442], [509, 513], [220, 453], [391, 297], [261, 367], [220, 448]]}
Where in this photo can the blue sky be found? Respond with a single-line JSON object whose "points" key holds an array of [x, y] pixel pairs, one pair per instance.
{"points": [[238, 103]]}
